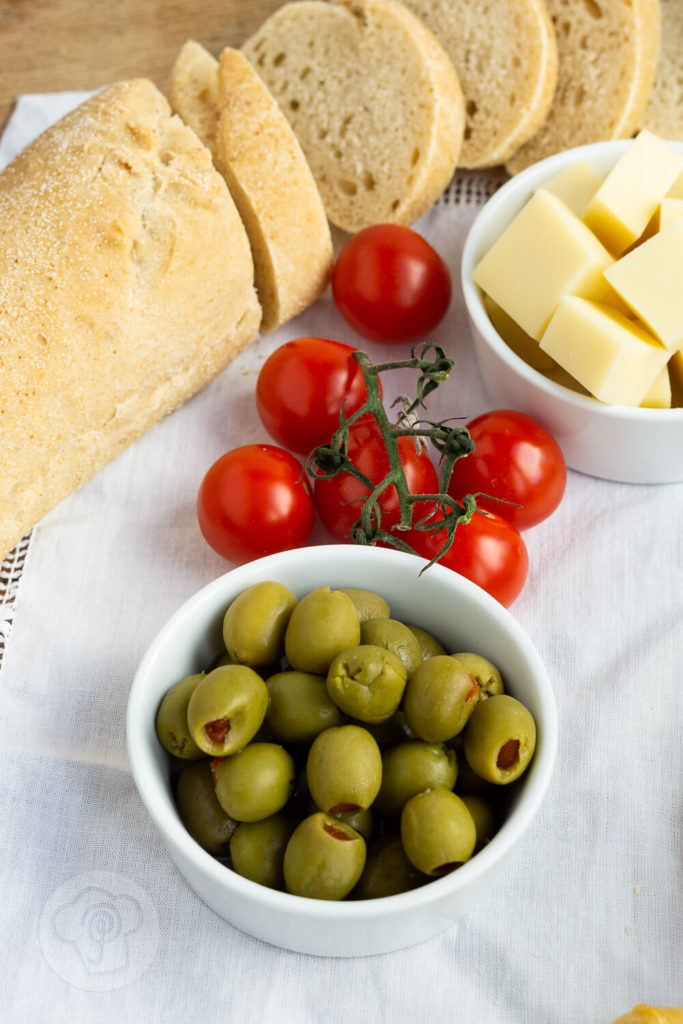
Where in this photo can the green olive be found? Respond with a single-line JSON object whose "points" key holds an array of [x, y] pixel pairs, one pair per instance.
{"points": [[437, 831], [387, 870], [361, 819], [409, 768], [171, 720], [299, 707], [391, 731], [255, 622], [344, 769], [257, 849], [226, 709], [323, 624], [324, 858], [367, 682], [483, 818], [500, 739], [256, 782], [396, 637], [199, 810], [439, 698], [368, 604], [489, 679], [429, 645]]}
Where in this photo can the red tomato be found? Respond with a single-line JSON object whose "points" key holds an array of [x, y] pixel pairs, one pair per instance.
{"points": [[390, 284], [488, 550], [517, 459], [254, 501], [301, 388], [366, 450]]}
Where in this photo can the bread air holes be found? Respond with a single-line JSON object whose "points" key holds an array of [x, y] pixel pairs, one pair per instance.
{"points": [[349, 188], [593, 8], [278, 60]]}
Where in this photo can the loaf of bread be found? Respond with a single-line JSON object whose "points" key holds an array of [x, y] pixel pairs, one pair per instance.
{"points": [[373, 99], [257, 152], [126, 284], [505, 55], [607, 53], [664, 111]]}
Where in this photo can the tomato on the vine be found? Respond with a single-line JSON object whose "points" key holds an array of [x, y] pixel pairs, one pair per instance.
{"points": [[301, 388], [515, 458], [488, 550], [390, 284], [339, 499], [253, 501]]}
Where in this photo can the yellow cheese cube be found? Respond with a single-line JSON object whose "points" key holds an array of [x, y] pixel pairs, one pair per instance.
{"points": [[670, 209], [521, 343], [659, 395], [676, 190], [619, 211], [545, 252], [648, 279], [575, 185], [676, 377], [613, 357]]}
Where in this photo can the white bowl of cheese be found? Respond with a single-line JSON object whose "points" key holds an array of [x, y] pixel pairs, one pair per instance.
{"points": [[571, 278]]}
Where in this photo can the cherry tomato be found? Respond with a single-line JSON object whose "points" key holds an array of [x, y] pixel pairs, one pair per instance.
{"points": [[254, 501], [488, 550], [517, 459], [390, 284], [367, 451], [301, 388]]}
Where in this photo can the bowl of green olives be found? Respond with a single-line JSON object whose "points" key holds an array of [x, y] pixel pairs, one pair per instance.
{"points": [[340, 746]]}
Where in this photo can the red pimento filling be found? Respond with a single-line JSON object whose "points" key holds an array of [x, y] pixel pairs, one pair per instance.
{"points": [[217, 730], [335, 832], [508, 755]]}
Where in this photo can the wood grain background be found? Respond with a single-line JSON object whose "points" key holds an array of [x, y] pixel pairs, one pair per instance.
{"points": [[50, 45]]}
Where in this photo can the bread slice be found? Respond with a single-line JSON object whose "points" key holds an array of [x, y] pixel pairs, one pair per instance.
{"points": [[505, 55], [126, 284], [257, 152], [193, 94], [607, 61], [664, 112], [374, 100]]}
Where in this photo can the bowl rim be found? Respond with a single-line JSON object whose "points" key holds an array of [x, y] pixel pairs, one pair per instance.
{"points": [[525, 182], [150, 785]]}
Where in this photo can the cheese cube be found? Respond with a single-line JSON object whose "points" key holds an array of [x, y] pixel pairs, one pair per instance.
{"points": [[613, 357], [545, 252], [659, 395], [619, 211], [670, 209], [676, 190], [648, 279], [575, 186], [521, 343], [676, 374]]}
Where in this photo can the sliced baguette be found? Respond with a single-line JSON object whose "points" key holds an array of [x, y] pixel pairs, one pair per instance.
{"points": [[126, 284], [505, 55], [258, 154], [374, 100], [607, 61], [664, 112]]}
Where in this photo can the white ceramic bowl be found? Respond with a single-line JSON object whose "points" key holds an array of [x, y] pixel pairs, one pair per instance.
{"points": [[461, 615], [631, 445]]}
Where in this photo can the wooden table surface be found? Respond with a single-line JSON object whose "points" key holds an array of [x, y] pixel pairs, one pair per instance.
{"points": [[50, 45]]}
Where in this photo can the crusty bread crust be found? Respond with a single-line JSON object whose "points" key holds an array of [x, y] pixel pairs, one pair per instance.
{"points": [[607, 62], [274, 191], [373, 99], [505, 55], [126, 284], [664, 112]]}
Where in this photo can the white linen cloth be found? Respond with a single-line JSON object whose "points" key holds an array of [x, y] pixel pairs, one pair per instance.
{"points": [[586, 919]]}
